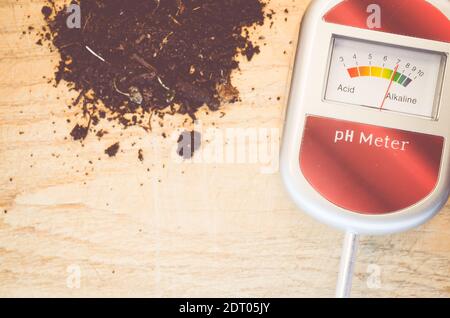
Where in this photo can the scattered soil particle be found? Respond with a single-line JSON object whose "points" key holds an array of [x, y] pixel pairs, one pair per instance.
{"points": [[112, 150], [79, 132], [101, 133]]}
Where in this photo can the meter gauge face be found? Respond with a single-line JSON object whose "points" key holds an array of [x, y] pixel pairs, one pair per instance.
{"points": [[387, 77]]}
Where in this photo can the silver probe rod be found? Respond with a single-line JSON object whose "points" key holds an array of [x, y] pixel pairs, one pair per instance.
{"points": [[349, 250]]}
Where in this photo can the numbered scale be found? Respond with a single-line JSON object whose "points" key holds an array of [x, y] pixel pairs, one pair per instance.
{"points": [[365, 146], [362, 71]]}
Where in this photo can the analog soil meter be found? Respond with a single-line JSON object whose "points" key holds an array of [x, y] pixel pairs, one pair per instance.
{"points": [[365, 146]]}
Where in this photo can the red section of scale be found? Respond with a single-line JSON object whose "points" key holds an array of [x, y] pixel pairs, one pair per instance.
{"points": [[376, 171], [353, 72], [416, 18]]}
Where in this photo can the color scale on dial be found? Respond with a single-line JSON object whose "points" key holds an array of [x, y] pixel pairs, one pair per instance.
{"points": [[387, 77]]}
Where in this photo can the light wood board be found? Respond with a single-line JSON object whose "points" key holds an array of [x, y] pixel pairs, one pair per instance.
{"points": [[179, 229]]}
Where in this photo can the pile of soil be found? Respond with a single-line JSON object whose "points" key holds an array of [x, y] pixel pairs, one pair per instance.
{"points": [[138, 57]]}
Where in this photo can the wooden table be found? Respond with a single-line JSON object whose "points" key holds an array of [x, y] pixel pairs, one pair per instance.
{"points": [[119, 227]]}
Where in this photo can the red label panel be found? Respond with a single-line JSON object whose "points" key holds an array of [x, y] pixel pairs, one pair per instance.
{"points": [[416, 18], [369, 169]]}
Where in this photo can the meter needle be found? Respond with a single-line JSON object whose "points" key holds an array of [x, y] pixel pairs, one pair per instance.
{"points": [[389, 87]]}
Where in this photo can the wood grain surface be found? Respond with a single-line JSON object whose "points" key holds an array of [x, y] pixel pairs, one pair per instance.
{"points": [[121, 227]]}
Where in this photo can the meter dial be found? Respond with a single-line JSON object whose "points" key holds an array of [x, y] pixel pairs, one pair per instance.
{"points": [[386, 77]]}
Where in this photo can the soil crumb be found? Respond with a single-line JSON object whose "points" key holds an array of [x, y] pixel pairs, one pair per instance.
{"points": [[79, 132], [112, 150]]}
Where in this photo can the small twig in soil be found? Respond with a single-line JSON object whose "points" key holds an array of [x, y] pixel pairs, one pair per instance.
{"points": [[68, 45], [162, 84], [174, 20], [165, 40], [134, 94], [181, 7], [95, 54], [150, 121], [151, 68], [158, 2], [86, 23], [144, 63], [118, 90]]}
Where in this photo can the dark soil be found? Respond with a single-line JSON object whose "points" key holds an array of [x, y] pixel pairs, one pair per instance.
{"points": [[138, 57], [112, 150], [79, 132], [141, 155]]}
